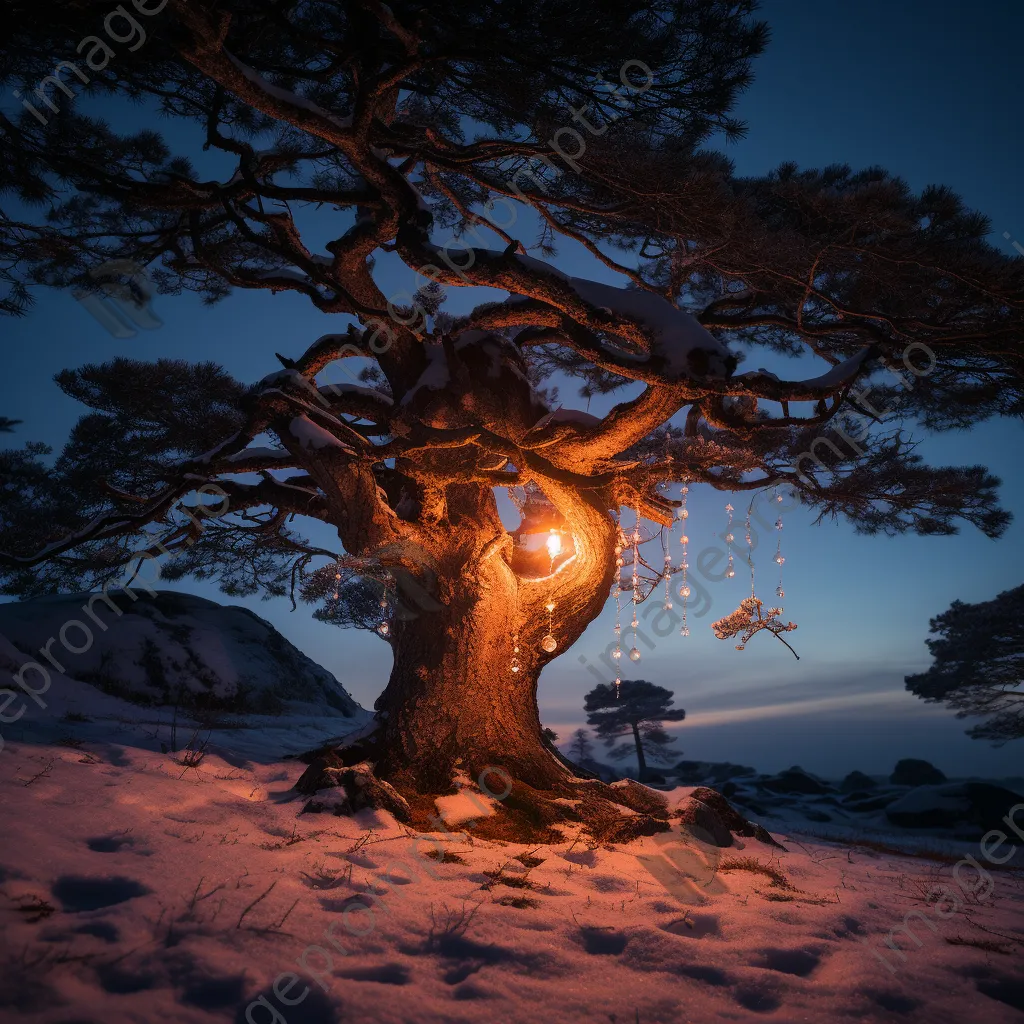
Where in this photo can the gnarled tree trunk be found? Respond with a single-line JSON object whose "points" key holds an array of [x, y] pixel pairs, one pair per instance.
{"points": [[453, 701]]}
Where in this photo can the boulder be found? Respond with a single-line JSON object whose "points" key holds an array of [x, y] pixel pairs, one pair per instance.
{"points": [[863, 802], [794, 780], [958, 807], [696, 773], [913, 772], [713, 820], [857, 781], [360, 788]]}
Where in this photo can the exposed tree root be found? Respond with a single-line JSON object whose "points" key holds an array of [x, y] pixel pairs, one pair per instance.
{"points": [[616, 813]]}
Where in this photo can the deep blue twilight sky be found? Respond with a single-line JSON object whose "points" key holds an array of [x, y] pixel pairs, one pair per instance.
{"points": [[928, 90]]}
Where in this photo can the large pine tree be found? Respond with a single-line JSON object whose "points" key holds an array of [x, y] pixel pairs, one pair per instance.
{"points": [[978, 665], [401, 129]]}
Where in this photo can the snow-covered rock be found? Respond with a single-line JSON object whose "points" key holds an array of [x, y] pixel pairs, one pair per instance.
{"points": [[168, 649], [963, 808], [857, 782], [794, 780], [913, 772], [711, 773]]}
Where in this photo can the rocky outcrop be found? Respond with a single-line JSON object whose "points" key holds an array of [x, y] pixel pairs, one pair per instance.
{"points": [[913, 772], [359, 788], [857, 782], [795, 780], [178, 650], [964, 808], [713, 820]]}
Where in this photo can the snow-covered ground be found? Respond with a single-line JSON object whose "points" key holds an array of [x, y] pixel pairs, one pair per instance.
{"points": [[136, 888], [157, 867]]}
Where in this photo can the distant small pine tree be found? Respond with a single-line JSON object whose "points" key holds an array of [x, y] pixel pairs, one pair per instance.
{"points": [[581, 747], [638, 708]]}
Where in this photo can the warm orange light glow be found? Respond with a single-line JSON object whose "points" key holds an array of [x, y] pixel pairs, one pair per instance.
{"points": [[554, 543]]}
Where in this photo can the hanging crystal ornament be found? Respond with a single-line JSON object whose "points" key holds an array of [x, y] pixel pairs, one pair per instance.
{"points": [[666, 547], [337, 581], [515, 665], [750, 547], [384, 626], [554, 546], [620, 542], [778, 547], [634, 651], [684, 589], [729, 570]]}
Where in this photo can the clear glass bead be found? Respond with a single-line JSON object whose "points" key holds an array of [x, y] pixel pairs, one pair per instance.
{"points": [[778, 524], [684, 591], [618, 549], [667, 606], [618, 629], [729, 538], [549, 643], [617, 653], [684, 513], [779, 559], [685, 631], [634, 623], [684, 539], [634, 654], [383, 629], [779, 592], [619, 563]]}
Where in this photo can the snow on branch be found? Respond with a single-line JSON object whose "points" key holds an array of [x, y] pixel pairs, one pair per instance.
{"points": [[768, 385], [287, 96], [435, 375], [260, 457], [675, 336], [310, 435]]}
